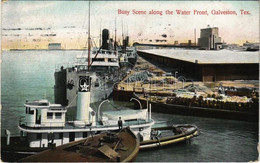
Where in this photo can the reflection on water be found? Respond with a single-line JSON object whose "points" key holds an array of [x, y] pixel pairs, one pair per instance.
{"points": [[30, 75]]}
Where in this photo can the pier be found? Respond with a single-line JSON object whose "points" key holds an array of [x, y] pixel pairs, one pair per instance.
{"points": [[169, 91]]}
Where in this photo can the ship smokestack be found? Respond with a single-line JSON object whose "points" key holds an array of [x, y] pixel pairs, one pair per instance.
{"points": [[83, 101], [189, 42], [125, 43], [105, 39]]}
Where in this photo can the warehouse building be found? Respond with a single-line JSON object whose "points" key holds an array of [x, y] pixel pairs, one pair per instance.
{"points": [[208, 66]]}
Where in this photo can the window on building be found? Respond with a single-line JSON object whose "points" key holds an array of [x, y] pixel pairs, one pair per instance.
{"points": [[26, 110], [49, 115], [39, 136], [58, 115]]}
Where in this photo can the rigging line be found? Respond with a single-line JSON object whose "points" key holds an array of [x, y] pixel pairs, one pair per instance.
{"points": [[88, 31], [115, 44], [72, 100], [93, 43], [127, 30], [114, 106], [95, 56], [84, 51], [89, 36], [100, 41], [84, 21], [122, 30]]}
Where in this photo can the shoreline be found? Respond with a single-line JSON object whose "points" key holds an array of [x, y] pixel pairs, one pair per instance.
{"points": [[44, 49]]}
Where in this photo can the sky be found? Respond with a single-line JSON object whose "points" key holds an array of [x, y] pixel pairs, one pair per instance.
{"points": [[34, 24]]}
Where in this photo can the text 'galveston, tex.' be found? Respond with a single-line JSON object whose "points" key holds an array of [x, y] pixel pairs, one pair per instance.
{"points": [[182, 12]]}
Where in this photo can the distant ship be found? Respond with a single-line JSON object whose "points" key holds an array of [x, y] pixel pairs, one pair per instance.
{"points": [[247, 46]]}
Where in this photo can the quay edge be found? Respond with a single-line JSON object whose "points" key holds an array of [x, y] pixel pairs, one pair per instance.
{"points": [[202, 111], [158, 107]]}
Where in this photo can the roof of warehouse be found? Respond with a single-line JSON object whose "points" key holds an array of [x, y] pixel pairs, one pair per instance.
{"points": [[208, 56]]}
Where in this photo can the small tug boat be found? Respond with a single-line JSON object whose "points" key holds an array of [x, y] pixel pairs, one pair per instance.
{"points": [[45, 125], [164, 136], [105, 147]]}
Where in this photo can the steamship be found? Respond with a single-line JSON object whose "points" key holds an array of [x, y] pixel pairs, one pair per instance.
{"points": [[108, 65]]}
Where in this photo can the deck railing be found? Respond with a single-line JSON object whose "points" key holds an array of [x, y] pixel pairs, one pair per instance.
{"points": [[70, 125]]}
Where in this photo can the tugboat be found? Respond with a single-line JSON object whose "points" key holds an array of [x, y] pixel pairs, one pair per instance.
{"points": [[105, 147], [44, 125]]}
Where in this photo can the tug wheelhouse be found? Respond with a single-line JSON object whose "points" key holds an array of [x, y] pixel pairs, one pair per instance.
{"points": [[41, 115]]}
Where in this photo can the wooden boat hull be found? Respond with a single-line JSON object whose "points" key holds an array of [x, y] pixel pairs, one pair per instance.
{"points": [[180, 133], [125, 149]]}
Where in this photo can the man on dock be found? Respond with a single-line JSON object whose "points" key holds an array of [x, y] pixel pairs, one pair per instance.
{"points": [[120, 123]]}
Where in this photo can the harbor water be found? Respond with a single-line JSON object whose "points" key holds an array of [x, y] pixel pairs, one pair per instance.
{"points": [[29, 75]]}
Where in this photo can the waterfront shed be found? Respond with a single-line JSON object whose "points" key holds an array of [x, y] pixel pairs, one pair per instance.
{"points": [[208, 65]]}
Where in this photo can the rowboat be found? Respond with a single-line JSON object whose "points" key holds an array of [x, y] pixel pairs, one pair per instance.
{"points": [[170, 135]]}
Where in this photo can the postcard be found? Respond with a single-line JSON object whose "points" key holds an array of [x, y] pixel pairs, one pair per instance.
{"points": [[144, 81]]}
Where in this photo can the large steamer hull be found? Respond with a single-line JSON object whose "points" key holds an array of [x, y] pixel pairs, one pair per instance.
{"points": [[66, 88], [60, 87], [66, 82]]}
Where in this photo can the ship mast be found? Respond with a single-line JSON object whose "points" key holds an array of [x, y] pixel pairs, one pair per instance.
{"points": [[115, 35], [122, 31], [89, 35], [100, 36]]}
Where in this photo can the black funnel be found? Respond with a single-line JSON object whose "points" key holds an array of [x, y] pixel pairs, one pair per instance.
{"points": [[125, 43], [105, 38]]}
